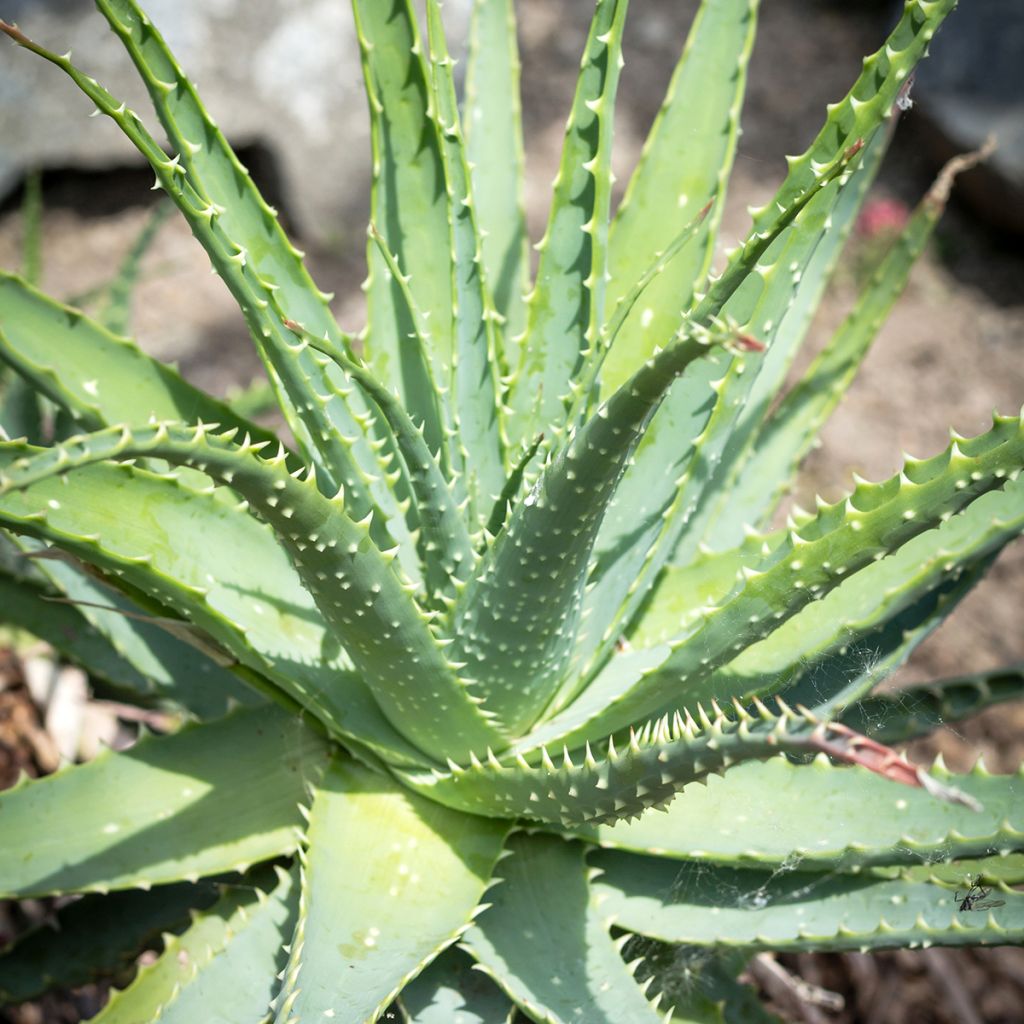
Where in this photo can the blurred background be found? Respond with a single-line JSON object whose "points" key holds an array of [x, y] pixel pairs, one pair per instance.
{"points": [[282, 78]]}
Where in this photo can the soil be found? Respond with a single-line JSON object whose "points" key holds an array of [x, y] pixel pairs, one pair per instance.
{"points": [[948, 355]]}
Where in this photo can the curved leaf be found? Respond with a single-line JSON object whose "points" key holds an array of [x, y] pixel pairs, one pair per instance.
{"points": [[367, 604], [99, 377], [913, 711], [494, 149], [96, 937], [545, 942], [795, 910], [222, 969], [815, 557], [209, 799], [567, 304], [390, 879], [450, 991], [685, 163], [238, 587], [822, 815], [98, 629]]}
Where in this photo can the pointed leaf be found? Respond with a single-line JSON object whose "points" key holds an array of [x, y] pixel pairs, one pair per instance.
{"points": [[335, 432], [409, 207], [825, 816], [450, 991], [838, 674], [663, 502], [116, 314], [901, 715], [492, 121], [567, 305], [868, 103], [444, 543], [222, 969], [666, 482], [794, 910], [96, 937], [367, 604], [837, 647], [653, 765], [685, 163], [100, 378], [32, 226], [777, 447], [147, 664], [390, 880], [851, 123], [718, 523], [209, 799], [545, 942], [238, 587], [477, 410], [516, 622], [142, 655], [814, 559]]}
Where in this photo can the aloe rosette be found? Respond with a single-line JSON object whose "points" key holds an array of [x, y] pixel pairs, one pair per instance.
{"points": [[451, 666]]}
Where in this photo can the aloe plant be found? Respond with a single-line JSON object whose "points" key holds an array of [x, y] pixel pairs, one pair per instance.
{"points": [[514, 589]]}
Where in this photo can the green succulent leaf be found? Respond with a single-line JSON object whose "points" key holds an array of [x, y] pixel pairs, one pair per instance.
{"points": [[451, 991], [813, 559], [492, 122], [409, 207], [135, 527], [721, 524], [1004, 868], [223, 968], [688, 157], [666, 481], [98, 377], [843, 674], [778, 445], [868, 104], [32, 226], [20, 413], [516, 622], [652, 766], [569, 968], [96, 937], [795, 910], [117, 296], [474, 376], [661, 493], [383, 630], [211, 798], [566, 307], [445, 547], [389, 880], [821, 815], [141, 661], [837, 647], [701, 984], [203, 179]]}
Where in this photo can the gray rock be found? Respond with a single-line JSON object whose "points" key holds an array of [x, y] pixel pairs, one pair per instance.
{"points": [[973, 85], [284, 74]]}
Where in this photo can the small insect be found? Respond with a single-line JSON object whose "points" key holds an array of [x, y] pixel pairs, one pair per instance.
{"points": [[976, 898], [903, 100]]}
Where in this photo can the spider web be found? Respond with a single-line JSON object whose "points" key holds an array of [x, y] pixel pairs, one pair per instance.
{"points": [[685, 973]]}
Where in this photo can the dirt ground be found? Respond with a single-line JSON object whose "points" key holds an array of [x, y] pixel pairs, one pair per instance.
{"points": [[949, 355]]}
